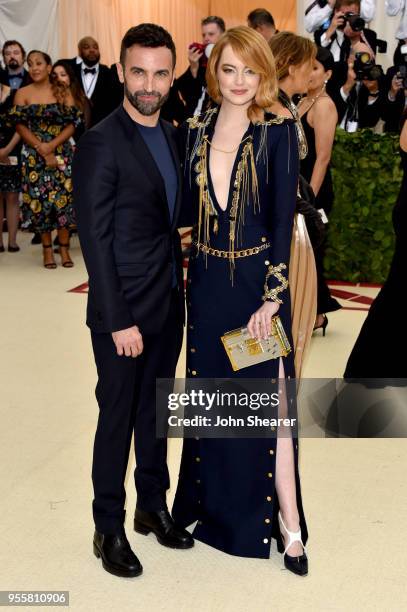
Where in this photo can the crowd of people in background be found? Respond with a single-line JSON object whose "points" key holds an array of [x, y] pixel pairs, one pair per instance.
{"points": [[45, 108]]}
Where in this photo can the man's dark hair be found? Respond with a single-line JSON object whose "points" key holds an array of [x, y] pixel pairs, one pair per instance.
{"points": [[9, 43], [147, 35], [260, 17], [341, 3], [213, 19]]}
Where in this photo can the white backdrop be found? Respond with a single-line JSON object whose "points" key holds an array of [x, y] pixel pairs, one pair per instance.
{"points": [[33, 22]]}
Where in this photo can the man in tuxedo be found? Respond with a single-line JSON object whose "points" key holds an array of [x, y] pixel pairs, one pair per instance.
{"points": [[127, 195], [96, 79], [14, 74]]}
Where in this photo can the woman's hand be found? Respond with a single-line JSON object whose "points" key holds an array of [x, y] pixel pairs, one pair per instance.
{"points": [[51, 161], [259, 325], [44, 149], [4, 157]]}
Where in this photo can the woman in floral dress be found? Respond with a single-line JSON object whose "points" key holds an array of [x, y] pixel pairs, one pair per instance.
{"points": [[46, 119]]}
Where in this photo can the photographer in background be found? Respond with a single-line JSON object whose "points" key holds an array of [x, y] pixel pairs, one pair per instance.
{"points": [[192, 84], [361, 99], [346, 32], [396, 100], [319, 12], [262, 21]]}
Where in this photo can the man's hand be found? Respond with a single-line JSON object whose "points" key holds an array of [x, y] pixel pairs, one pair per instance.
{"points": [[194, 55], [396, 85], [337, 21], [259, 325], [129, 342]]}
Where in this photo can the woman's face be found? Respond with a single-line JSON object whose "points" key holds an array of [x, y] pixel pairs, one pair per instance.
{"points": [[318, 76], [61, 76], [301, 76], [238, 83], [38, 68]]}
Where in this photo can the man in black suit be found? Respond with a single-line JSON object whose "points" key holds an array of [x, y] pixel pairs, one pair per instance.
{"points": [[96, 79], [14, 74], [127, 194]]}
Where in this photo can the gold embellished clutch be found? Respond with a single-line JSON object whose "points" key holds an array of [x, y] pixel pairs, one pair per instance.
{"points": [[244, 351]]}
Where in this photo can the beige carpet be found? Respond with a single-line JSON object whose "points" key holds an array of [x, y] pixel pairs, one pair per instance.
{"points": [[354, 490]]}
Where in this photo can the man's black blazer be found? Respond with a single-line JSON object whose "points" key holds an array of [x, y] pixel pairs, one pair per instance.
{"points": [[124, 226], [104, 97], [5, 78]]}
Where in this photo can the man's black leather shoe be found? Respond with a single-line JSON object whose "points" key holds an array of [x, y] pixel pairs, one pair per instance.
{"points": [[164, 528], [117, 556]]}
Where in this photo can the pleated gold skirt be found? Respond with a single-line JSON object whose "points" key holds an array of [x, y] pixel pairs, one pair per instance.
{"points": [[303, 291]]}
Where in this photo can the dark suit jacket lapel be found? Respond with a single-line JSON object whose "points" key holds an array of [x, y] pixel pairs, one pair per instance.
{"points": [[144, 157], [171, 139]]}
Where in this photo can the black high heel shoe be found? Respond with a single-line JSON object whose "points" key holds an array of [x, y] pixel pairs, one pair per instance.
{"points": [[323, 326], [51, 265], [68, 263], [296, 565]]}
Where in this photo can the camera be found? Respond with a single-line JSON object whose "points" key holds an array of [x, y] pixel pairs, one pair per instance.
{"points": [[365, 68], [355, 21], [206, 50], [402, 70]]}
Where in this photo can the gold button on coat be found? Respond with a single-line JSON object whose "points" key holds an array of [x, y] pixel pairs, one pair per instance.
{"points": [[265, 541], [267, 263], [270, 475], [268, 498], [197, 459], [267, 521]]}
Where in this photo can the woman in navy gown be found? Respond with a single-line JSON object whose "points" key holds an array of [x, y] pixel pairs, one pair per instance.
{"points": [[241, 177]]}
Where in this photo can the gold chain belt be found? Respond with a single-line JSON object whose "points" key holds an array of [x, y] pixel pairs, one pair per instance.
{"points": [[231, 254]]}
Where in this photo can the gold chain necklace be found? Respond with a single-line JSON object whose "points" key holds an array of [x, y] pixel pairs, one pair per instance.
{"points": [[221, 150]]}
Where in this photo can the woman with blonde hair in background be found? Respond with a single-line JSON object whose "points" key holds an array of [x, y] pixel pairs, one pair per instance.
{"points": [[241, 179]]}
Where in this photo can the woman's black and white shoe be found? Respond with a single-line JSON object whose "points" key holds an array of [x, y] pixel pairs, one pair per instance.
{"points": [[298, 565]]}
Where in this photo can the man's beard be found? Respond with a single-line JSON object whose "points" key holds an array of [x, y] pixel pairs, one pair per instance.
{"points": [[91, 62], [145, 108], [13, 64]]}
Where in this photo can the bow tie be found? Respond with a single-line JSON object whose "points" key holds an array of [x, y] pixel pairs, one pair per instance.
{"points": [[89, 70]]}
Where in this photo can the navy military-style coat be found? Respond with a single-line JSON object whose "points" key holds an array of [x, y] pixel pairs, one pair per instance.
{"points": [[239, 258]]}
